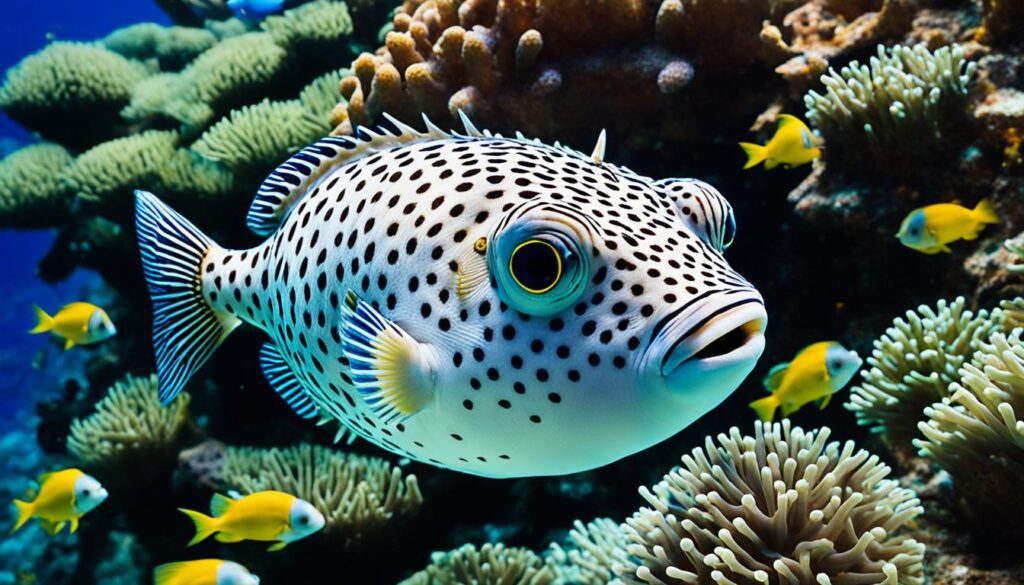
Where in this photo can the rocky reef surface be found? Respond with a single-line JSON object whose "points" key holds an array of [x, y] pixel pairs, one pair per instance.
{"points": [[917, 102]]}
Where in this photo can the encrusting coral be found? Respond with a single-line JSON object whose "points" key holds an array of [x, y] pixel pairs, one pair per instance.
{"points": [[490, 564], [977, 435], [360, 497], [780, 506], [71, 93], [31, 191], [129, 421], [912, 365], [904, 103]]}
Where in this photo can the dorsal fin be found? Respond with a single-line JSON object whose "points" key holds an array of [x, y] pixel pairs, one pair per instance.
{"points": [[291, 179]]}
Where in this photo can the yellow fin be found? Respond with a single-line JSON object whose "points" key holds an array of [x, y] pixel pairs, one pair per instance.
{"points": [[74, 525], [472, 273], [227, 537], [277, 546], [25, 511], [822, 403], [219, 504], [205, 525], [765, 407], [756, 154], [773, 379], [789, 408], [69, 343], [50, 527], [985, 213], [44, 322]]}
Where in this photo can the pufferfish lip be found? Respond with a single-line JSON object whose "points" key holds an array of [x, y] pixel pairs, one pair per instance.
{"points": [[729, 337]]}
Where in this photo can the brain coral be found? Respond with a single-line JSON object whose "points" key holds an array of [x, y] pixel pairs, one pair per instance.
{"points": [[129, 421], [977, 435], [491, 564], [31, 192], [71, 92], [912, 365], [359, 496], [782, 506], [907, 102]]}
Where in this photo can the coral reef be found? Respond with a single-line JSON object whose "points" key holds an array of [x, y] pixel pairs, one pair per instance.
{"points": [[129, 422], [31, 191], [977, 435], [171, 47], [782, 504], [596, 549], [487, 565], [904, 103], [360, 497], [912, 365]]}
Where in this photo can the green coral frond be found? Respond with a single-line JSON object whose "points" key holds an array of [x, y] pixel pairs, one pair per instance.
{"points": [[261, 136], [173, 47], [320, 27], [324, 92], [116, 168], [31, 192]]}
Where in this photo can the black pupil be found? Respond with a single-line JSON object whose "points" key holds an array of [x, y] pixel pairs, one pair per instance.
{"points": [[535, 265], [730, 230]]}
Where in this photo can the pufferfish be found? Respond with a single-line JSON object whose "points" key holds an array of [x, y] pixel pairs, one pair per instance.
{"points": [[491, 305]]}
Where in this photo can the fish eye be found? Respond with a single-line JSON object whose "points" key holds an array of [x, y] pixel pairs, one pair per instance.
{"points": [[536, 266], [303, 520], [730, 231], [85, 492]]}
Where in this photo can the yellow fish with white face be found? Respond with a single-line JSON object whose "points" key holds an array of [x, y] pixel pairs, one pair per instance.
{"points": [[792, 145], [204, 572], [76, 324], [268, 516], [815, 374], [64, 497], [932, 228]]}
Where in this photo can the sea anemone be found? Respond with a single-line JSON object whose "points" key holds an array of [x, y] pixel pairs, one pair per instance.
{"points": [[491, 564], [781, 506], [596, 549], [913, 364]]}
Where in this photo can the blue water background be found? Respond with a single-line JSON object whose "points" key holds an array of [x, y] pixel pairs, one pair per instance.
{"points": [[24, 28]]}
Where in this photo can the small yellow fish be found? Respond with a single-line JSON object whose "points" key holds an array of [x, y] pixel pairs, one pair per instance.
{"points": [[816, 373], [64, 497], [204, 572], [265, 516], [792, 145], [929, 229], [77, 324]]}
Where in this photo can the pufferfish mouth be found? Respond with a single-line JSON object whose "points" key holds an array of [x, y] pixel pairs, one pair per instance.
{"points": [[732, 334]]}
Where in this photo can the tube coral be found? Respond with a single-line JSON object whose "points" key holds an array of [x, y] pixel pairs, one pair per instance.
{"points": [[491, 564], [129, 420], [31, 192], [977, 435], [783, 505], [359, 496], [912, 365], [905, 102], [71, 92]]}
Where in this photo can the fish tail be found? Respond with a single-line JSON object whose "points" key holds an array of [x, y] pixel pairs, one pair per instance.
{"points": [[765, 407], [205, 525], [985, 213], [186, 328], [25, 510], [44, 322], [755, 154]]}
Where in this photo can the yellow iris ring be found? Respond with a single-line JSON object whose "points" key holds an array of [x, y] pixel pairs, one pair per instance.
{"points": [[558, 259]]}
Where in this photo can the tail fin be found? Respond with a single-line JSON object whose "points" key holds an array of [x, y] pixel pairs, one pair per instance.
{"points": [[24, 514], [205, 525], [765, 407], [44, 322], [755, 154], [186, 329], [985, 213]]}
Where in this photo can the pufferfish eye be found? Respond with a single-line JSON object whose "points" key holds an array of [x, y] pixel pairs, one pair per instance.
{"points": [[729, 233], [536, 266]]}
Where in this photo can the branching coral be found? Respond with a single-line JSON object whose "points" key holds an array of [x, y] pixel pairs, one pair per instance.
{"points": [[129, 420], [597, 547], [491, 564], [172, 47], [906, 100], [31, 192], [781, 506], [360, 497], [913, 364], [258, 137], [71, 92], [977, 435]]}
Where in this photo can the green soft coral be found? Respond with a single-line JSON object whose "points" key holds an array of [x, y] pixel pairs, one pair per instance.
{"points": [[171, 47], [31, 192], [71, 92], [318, 29]]}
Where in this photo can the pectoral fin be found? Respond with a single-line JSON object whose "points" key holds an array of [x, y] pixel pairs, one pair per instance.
{"points": [[277, 546], [74, 525], [773, 380], [227, 537], [823, 402], [51, 527], [393, 372], [68, 344]]}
